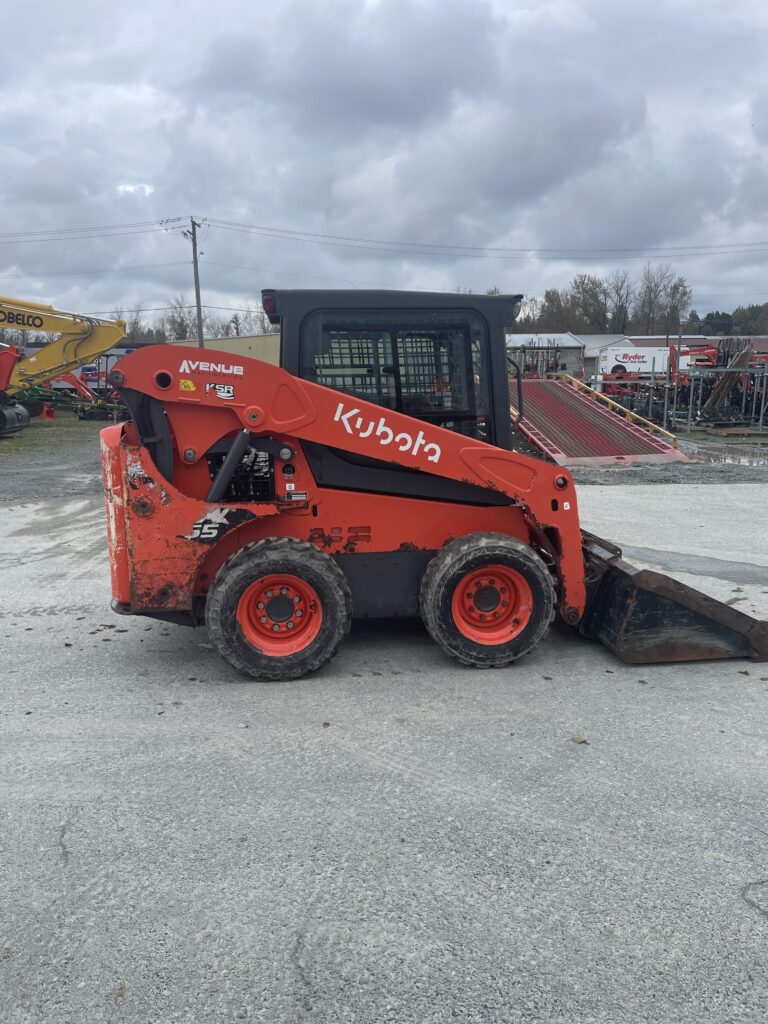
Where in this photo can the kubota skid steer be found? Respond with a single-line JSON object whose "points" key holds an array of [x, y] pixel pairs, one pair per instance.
{"points": [[371, 475]]}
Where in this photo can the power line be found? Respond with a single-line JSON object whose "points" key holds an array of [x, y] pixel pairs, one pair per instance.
{"points": [[103, 270], [77, 233], [457, 249], [184, 305], [100, 227], [393, 247], [139, 309], [81, 237], [26, 233], [451, 250]]}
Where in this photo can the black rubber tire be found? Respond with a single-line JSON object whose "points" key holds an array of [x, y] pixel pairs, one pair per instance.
{"points": [[443, 575], [278, 555]]}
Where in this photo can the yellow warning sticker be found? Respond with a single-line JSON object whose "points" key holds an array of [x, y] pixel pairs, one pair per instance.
{"points": [[187, 385]]}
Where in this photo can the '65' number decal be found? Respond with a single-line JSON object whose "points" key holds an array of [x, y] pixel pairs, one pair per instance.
{"points": [[216, 523]]}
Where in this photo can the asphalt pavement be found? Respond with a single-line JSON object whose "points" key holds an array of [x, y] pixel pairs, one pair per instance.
{"points": [[394, 839]]}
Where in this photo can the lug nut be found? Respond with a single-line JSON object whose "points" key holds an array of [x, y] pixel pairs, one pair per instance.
{"points": [[260, 605], [269, 593], [290, 625], [296, 600], [299, 613], [275, 628], [263, 618]]}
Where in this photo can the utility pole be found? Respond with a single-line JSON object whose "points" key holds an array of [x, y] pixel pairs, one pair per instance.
{"points": [[192, 236]]}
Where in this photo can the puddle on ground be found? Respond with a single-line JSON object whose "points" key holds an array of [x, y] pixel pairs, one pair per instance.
{"points": [[741, 454]]}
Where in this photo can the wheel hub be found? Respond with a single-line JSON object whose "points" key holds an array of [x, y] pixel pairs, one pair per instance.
{"points": [[492, 605], [279, 614], [486, 598], [280, 609]]}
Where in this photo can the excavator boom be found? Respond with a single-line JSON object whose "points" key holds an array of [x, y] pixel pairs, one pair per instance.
{"points": [[81, 339]]}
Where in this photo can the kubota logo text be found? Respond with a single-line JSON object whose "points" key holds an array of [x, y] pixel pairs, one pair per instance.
{"points": [[354, 423], [200, 366]]}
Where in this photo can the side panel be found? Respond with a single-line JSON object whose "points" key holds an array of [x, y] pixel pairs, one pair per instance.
{"points": [[112, 466], [333, 468], [385, 585]]}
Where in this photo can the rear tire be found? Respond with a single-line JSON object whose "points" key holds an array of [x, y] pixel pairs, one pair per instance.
{"points": [[278, 609], [487, 599]]}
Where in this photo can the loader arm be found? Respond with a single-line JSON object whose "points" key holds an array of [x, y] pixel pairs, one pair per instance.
{"points": [[190, 405], [80, 340]]}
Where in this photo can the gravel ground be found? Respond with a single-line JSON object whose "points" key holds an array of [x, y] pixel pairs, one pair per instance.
{"points": [[59, 457], [398, 838], [700, 472]]}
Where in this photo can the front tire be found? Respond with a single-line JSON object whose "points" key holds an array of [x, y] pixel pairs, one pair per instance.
{"points": [[487, 599], [278, 609]]}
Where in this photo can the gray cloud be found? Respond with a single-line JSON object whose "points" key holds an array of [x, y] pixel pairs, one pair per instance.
{"points": [[438, 121], [353, 68]]}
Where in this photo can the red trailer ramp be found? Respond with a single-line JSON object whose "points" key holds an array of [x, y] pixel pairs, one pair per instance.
{"points": [[575, 426]]}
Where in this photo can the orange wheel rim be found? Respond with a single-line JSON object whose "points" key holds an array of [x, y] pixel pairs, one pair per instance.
{"points": [[492, 605], [279, 614]]}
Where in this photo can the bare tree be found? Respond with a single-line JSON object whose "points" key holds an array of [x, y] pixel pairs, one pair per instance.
{"points": [[137, 328], [255, 321], [216, 326], [589, 299], [621, 295], [615, 303], [677, 300], [13, 337], [181, 323], [553, 313], [651, 300]]}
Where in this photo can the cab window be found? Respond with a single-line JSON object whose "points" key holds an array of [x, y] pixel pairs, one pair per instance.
{"points": [[433, 366]]}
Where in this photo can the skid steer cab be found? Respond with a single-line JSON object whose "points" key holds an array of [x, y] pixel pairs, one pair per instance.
{"points": [[371, 475]]}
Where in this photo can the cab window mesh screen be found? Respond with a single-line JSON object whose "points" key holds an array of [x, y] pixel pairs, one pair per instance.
{"points": [[433, 366], [351, 361]]}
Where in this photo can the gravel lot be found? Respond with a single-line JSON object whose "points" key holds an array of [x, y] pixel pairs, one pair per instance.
{"points": [[397, 838]]}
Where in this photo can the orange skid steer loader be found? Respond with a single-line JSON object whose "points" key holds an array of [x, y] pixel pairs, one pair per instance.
{"points": [[372, 474]]}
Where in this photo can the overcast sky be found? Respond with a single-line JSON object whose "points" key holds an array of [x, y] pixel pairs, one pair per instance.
{"points": [[634, 125]]}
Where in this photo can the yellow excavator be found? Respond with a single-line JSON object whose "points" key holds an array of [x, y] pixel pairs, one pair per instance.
{"points": [[81, 340]]}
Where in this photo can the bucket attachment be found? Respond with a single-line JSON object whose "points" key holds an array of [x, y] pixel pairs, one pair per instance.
{"points": [[645, 617]]}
